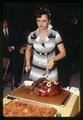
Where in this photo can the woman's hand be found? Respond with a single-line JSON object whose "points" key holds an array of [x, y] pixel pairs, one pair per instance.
{"points": [[27, 67], [50, 63]]}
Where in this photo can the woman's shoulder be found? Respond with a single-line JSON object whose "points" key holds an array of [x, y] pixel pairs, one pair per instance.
{"points": [[54, 31], [33, 34]]}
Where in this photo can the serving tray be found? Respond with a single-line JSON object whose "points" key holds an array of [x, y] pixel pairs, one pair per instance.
{"points": [[23, 93], [22, 108]]}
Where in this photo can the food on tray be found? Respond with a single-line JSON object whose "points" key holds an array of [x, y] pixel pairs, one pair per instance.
{"points": [[19, 108], [44, 87]]}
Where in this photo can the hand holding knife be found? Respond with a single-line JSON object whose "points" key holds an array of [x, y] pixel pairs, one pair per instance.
{"points": [[45, 75]]}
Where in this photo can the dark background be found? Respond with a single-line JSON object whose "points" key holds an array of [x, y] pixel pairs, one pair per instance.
{"points": [[20, 14], [21, 17]]}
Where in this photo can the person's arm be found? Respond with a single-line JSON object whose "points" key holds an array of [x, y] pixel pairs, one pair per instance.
{"points": [[59, 56], [27, 57], [12, 40]]}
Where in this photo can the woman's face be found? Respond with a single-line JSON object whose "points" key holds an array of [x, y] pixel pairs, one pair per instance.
{"points": [[43, 22]]}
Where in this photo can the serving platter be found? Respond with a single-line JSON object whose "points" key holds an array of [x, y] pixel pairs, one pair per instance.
{"points": [[23, 93], [22, 108]]}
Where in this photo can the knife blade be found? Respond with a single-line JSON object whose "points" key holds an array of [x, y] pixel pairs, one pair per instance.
{"points": [[45, 75]]}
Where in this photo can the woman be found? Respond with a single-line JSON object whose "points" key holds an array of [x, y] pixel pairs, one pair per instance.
{"points": [[41, 46]]}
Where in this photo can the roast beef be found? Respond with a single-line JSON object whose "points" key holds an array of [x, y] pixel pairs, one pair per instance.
{"points": [[44, 87]]}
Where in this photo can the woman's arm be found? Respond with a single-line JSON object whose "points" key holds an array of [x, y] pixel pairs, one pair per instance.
{"points": [[27, 57], [59, 56]]}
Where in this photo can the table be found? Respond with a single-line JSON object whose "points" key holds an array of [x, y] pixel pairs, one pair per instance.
{"points": [[70, 109]]}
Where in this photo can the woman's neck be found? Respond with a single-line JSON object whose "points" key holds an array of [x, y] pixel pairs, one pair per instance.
{"points": [[42, 32]]}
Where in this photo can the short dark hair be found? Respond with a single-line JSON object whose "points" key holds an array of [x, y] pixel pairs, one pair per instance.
{"points": [[43, 11]]}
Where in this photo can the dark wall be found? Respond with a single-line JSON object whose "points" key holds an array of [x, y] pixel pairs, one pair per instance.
{"points": [[21, 14]]}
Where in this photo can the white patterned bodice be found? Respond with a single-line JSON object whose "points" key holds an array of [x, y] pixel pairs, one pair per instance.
{"points": [[42, 51]]}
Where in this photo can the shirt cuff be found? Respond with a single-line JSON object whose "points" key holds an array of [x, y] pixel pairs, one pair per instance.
{"points": [[13, 47]]}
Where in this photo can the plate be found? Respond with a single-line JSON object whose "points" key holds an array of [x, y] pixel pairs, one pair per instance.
{"points": [[27, 83]]}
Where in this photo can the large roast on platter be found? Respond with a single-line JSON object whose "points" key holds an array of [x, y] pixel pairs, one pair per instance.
{"points": [[44, 87]]}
